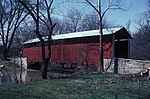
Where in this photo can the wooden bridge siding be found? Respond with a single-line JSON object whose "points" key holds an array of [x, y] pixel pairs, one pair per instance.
{"points": [[70, 53]]}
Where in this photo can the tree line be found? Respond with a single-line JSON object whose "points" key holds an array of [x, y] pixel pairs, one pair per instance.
{"points": [[140, 45]]}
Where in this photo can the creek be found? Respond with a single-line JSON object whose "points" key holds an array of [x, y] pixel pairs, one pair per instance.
{"points": [[18, 76]]}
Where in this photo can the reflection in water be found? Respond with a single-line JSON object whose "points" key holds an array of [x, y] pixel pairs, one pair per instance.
{"points": [[13, 77]]}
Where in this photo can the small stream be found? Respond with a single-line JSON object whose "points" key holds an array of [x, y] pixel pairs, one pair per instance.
{"points": [[18, 76]]}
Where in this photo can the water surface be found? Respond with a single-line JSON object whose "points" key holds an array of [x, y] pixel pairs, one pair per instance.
{"points": [[18, 76]]}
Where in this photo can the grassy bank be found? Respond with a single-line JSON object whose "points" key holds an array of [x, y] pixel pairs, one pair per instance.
{"points": [[102, 86]]}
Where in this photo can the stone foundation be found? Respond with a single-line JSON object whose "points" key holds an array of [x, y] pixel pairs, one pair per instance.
{"points": [[125, 66]]}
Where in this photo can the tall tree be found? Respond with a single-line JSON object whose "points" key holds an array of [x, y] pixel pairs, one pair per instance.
{"points": [[11, 16], [89, 22], [101, 11], [22, 34], [76, 21], [41, 14], [141, 43], [70, 22]]}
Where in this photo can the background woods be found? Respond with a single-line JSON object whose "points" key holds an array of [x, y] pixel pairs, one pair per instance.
{"points": [[140, 44], [12, 15]]}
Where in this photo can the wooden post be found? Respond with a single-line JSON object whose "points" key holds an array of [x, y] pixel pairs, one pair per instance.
{"points": [[116, 65]]}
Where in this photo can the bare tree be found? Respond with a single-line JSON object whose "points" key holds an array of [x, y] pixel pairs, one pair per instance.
{"points": [[76, 21], [71, 21], [41, 14], [85, 54], [111, 4], [59, 28], [22, 34], [141, 43], [128, 24], [89, 22], [11, 16]]}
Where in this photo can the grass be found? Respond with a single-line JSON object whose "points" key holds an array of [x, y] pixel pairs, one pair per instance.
{"points": [[96, 86]]}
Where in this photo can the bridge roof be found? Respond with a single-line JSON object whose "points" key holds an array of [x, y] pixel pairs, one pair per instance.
{"points": [[123, 34]]}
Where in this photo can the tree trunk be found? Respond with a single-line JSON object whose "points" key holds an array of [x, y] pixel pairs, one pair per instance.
{"points": [[44, 64], [44, 70], [101, 44], [36, 17], [101, 50], [5, 54], [45, 60]]}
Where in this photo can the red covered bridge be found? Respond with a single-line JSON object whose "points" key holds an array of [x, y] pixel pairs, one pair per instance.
{"points": [[82, 47]]}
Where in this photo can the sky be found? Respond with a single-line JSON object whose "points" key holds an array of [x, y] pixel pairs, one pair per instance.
{"points": [[133, 10], [132, 14]]}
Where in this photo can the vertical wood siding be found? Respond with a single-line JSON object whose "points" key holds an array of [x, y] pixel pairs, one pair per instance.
{"points": [[70, 53]]}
